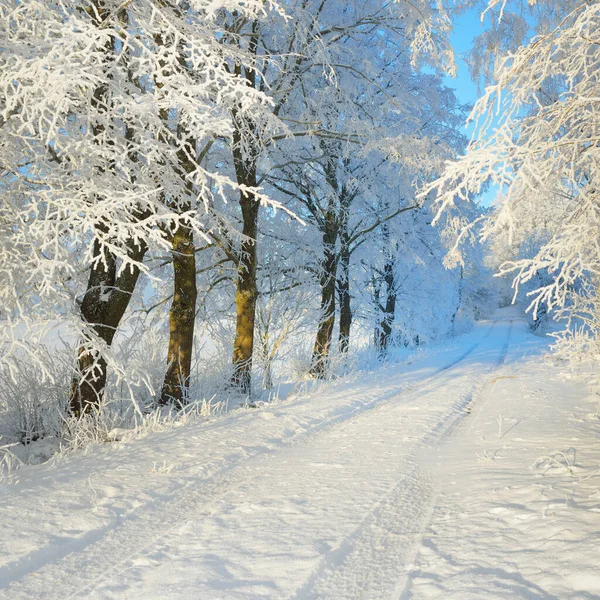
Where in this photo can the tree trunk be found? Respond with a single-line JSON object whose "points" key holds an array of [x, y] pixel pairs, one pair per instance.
{"points": [[246, 286], [322, 346], [182, 318], [108, 293], [344, 294], [385, 327], [104, 304], [459, 303], [245, 157]]}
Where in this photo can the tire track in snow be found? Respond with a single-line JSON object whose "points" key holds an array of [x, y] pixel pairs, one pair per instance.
{"points": [[133, 534], [224, 485], [386, 543], [467, 404], [366, 562], [402, 588]]}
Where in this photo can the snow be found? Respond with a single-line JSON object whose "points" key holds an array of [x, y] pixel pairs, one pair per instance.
{"points": [[469, 472]]}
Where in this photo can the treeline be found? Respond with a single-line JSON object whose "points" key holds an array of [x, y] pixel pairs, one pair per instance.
{"points": [[268, 156]]}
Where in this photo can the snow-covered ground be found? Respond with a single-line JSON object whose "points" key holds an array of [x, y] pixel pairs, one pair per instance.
{"points": [[472, 472]]}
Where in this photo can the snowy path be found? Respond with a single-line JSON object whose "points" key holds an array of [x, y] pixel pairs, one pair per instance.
{"points": [[380, 487]]}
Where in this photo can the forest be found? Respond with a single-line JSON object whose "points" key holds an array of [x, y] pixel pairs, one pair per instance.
{"points": [[286, 311], [203, 199]]}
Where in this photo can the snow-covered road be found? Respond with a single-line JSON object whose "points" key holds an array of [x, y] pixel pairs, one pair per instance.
{"points": [[471, 473]]}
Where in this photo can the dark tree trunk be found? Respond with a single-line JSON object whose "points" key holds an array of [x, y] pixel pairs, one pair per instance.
{"points": [[459, 303], [246, 285], [182, 318], [104, 304], [182, 315], [332, 223], [245, 157], [320, 357], [344, 295], [245, 298], [108, 293], [376, 301], [389, 309]]}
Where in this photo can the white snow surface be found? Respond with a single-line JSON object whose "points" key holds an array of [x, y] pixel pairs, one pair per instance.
{"points": [[471, 472]]}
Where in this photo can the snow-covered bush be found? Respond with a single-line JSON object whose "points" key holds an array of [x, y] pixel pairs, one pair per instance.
{"points": [[34, 398]]}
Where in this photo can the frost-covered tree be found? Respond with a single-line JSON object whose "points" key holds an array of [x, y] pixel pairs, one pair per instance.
{"points": [[538, 141], [105, 108], [140, 138], [310, 46]]}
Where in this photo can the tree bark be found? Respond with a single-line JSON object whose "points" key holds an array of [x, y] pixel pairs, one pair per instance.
{"points": [[459, 303], [245, 298], [331, 223], [245, 157], [387, 321], [182, 318], [108, 292], [105, 301], [384, 329], [182, 314], [320, 357], [246, 285], [344, 296]]}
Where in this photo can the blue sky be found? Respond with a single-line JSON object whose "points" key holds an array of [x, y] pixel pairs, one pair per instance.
{"points": [[466, 28]]}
